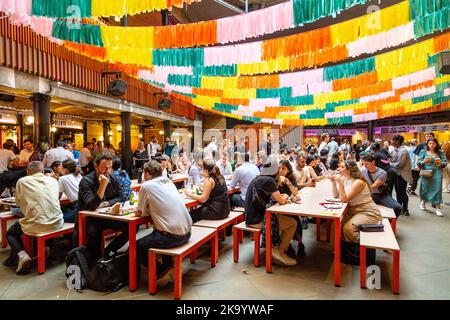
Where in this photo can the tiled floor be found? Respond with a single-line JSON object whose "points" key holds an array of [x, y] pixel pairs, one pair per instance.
{"points": [[424, 240]]}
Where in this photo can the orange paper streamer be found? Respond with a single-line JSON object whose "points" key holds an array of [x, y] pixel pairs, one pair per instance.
{"points": [[186, 35], [260, 82], [365, 79]]}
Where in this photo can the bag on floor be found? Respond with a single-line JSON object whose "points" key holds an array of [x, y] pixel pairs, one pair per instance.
{"points": [[350, 254], [109, 274], [77, 268]]}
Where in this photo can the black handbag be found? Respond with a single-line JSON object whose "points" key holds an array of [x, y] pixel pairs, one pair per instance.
{"points": [[379, 227], [109, 274]]}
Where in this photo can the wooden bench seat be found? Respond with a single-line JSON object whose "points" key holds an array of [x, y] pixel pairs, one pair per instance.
{"points": [[239, 209], [385, 241], [199, 236], [4, 218], [389, 214], [238, 231], [67, 228], [233, 219]]}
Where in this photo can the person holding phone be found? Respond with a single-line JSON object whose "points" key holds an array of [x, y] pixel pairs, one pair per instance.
{"points": [[433, 160]]}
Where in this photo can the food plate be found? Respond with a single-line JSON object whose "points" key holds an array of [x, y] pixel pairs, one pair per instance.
{"points": [[333, 200], [9, 200], [333, 206]]}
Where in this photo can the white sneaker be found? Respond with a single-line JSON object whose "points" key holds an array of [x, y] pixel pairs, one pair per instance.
{"points": [[24, 262], [422, 205], [288, 260], [439, 213]]}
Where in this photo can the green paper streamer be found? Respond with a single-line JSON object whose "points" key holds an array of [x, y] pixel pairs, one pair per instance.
{"points": [[214, 71], [79, 33], [274, 93], [297, 101], [192, 57], [62, 8], [349, 70], [184, 80]]}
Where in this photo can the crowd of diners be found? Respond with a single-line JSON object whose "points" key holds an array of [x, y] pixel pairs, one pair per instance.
{"points": [[362, 175]]}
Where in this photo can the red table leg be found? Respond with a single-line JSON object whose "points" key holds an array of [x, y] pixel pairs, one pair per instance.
{"points": [[178, 278], [152, 272], [4, 229], [41, 255], [362, 265], [216, 246], [235, 245], [214, 249], [337, 252], [132, 255], [318, 222], [396, 273], [394, 225], [268, 242], [328, 230], [81, 227], [256, 254]]}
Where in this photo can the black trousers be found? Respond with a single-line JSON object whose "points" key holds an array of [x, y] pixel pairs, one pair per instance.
{"points": [[94, 234], [400, 190], [387, 201], [416, 176]]}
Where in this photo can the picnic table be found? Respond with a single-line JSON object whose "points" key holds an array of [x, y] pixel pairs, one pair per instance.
{"points": [[12, 203], [177, 177], [310, 206]]}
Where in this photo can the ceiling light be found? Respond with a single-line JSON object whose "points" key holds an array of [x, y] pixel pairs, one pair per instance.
{"points": [[119, 128], [53, 129], [116, 19], [30, 119]]}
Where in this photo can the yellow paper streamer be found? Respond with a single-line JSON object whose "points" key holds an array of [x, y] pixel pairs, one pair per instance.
{"points": [[108, 8], [271, 66]]}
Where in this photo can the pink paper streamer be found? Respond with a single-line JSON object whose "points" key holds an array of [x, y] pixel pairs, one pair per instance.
{"points": [[255, 23], [301, 78], [414, 78], [418, 93], [365, 117], [376, 97], [18, 7], [228, 55]]}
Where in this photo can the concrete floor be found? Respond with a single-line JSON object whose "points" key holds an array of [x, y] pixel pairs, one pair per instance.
{"points": [[423, 237]]}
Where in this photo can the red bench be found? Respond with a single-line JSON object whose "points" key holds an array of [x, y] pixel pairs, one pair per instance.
{"points": [[4, 218], [238, 231]]}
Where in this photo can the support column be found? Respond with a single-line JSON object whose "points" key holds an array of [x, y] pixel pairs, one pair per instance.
{"points": [[41, 113], [127, 159], [165, 17], [106, 129], [85, 133], [197, 132], [370, 130], [20, 130], [166, 129]]}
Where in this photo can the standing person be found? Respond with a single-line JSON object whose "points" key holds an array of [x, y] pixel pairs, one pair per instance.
{"points": [[76, 154], [243, 175], [266, 145], [214, 199], [415, 170], [95, 152], [27, 151], [297, 147], [39, 151], [358, 148], [100, 189], [153, 147], [282, 144], [431, 162], [57, 154], [332, 146], [119, 150], [69, 185], [140, 157], [37, 198], [423, 145], [159, 199], [345, 146], [446, 150], [86, 158], [325, 137], [388, 149], [352, 187], [259, 194], [376, 178], [402, 164], [211, 150]]}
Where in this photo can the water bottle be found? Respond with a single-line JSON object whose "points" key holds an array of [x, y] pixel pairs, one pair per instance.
{"points": [[190, 183]]}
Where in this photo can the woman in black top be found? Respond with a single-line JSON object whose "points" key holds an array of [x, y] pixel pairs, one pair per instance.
{"points": [[215, 202], [287, 184], [140, 156]]}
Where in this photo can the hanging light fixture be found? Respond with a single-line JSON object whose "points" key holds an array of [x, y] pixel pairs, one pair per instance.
{"points": [[30, 119]]}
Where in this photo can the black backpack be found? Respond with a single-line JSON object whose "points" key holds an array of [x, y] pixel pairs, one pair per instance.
{"points": [[350, 254], [109, 274], [77, 268]]}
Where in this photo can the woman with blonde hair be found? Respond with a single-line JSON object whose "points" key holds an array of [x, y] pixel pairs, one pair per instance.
{"points": [[214, 199], [351, 187]]}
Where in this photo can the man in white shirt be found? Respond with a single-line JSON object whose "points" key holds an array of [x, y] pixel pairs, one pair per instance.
{"points": [[7, 156], [153, 147], [345, 146], [27, 151], [243, 175], [211, 149], [86, 157], [301, 173], [332, 146], [225, 166], [195, 171], [159, 199], [57, 154], [325, 139], [38, 198]]}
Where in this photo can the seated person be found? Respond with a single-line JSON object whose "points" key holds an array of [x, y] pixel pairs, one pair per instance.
{"points": [[351, 187], [334, 161], [69, 185], [215, 202], [177, 164], [159, 199], [196, 169], [225, 166], [122, 177], [259, 194], [58, 170], [37, 197], [301, 173], [100, 189], [319, 168], [376, 178], [287, 184], [311, 164], [243, 175]]}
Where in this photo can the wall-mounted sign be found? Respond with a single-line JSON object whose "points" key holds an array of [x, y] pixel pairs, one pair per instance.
{"points": [[69, 124], [333, 132], [412, 129]]}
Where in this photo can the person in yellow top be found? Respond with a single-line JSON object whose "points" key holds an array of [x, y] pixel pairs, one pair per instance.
{"points": [[38, 198]]}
